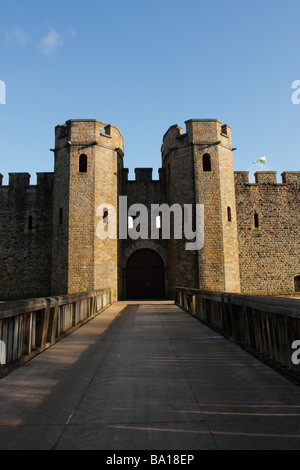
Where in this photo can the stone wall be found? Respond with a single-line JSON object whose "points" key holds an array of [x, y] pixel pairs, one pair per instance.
{"points": [[146, 191], [269, 253], [25, 236]]}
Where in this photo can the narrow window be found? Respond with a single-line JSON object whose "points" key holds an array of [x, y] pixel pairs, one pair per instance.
{"points": [[297, 284], [256, 220], [229, 216], [83, 163], [30, 222], [60, 216], [224, 129], [206, 162]]}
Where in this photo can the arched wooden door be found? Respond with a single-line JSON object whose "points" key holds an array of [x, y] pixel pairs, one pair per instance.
{"points": [[145, 277]]}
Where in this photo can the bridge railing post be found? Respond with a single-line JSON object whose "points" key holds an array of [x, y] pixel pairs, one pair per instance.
{"points": [[28, 327], [263, 325]]}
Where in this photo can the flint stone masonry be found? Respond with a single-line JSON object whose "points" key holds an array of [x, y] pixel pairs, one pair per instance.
{"points": [[48, 232]]}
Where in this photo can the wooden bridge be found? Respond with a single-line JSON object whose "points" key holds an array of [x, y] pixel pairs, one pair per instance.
{"points": [[142, 376]]}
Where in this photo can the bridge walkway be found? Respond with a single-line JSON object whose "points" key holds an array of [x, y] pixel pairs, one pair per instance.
{"points": [[147, 376]]}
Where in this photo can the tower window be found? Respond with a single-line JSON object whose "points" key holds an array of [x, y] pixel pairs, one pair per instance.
{"points": [[60, 216], [256, 220], [30, 222], [297, 284], [206, 162], [83, 163], [229, 216]]}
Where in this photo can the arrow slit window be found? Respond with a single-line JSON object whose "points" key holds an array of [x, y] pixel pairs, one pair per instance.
{"points": [[206, 162], [83, 163]]}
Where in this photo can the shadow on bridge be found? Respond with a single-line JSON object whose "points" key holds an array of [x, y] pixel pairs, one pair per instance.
{"points": [[147, 375]]}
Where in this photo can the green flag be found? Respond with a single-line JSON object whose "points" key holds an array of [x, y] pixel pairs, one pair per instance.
{"points": [[261, 160]]}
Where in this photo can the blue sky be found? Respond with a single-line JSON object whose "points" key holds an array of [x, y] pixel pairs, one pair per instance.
{"points": [[144, 66]]}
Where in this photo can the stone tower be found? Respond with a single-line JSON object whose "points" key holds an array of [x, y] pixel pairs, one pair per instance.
{"points": [[199, 168], [88, 160], [60, 236], [180, 189]]}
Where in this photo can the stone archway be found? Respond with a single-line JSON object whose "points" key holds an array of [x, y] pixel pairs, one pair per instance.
{"points": [[141, 245], [145, 275]]}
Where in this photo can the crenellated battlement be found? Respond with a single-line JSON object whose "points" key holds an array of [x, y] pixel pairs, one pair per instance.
{"points": [[144, 176], [198, 131], [89, 132], [208, 131], [21, 181], [171, 139], [291, 177], [267, 177]]}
